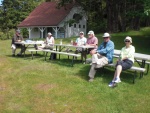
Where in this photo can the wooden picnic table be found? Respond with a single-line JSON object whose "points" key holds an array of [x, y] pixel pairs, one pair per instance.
{"points": [[84, 47], [26, 44]]}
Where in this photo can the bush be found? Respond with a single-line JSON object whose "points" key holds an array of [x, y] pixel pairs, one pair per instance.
{"points": [[6, 35]]}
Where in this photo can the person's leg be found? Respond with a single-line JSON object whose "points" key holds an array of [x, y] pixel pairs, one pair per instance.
{"points": [[13, 49], [101, 62], [92, 72], [117, 74], [23, 48]]}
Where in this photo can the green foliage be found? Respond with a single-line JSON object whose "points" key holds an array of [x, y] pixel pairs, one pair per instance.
{"points": [[15, 11], [6, 35]]}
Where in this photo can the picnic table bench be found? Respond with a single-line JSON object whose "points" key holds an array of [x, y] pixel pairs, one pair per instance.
{"points": [[141, 59], [62, 53]]}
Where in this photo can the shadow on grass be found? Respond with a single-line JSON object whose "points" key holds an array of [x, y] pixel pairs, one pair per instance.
{"points": [[107, 74], [27, 56], [64, 62]]}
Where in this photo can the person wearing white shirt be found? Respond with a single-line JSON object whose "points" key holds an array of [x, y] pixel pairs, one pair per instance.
{"points": [[49, 42], [80, 41]]}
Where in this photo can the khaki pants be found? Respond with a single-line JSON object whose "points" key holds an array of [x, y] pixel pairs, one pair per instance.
{"points": [[14, 46], [98, 61]]}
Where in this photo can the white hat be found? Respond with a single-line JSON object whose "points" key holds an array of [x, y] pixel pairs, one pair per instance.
{"points": [[128, 38], [91, 32], [106, 35], [49, 33], [18, 30], [81, 32]]}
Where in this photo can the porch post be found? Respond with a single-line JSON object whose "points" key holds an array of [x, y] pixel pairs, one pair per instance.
{"points": [[29, 30], [56, 31], [42, 30]]}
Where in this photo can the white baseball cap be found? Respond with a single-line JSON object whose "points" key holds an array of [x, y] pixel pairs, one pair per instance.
{"points": [[91, 32], [18, 30], [49, 33], [128, 38], [106, 35], [81, 32]]}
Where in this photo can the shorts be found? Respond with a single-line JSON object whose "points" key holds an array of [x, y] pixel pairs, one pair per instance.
{"points": [[126, 64]]}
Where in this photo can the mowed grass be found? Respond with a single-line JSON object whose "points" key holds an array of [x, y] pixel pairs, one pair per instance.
{"points": [[38, 86]]}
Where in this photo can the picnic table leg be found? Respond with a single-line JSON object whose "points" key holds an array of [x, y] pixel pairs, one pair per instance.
{"points": [[134, 77], [32, 54], [142, 66], [60, 51], [147, 70], [72, 61], [45, 55]]}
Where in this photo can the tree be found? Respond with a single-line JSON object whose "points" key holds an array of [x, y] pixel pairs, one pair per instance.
{"points": [[15, 11]]}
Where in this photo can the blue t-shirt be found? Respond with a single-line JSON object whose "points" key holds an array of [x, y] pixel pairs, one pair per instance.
{"points": [[107, 49]]}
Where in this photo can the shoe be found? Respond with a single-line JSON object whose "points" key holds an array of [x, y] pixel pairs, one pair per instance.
{"points": [[18, 54], [13, 55], [91, 80], [112, 84], [117, 80]]}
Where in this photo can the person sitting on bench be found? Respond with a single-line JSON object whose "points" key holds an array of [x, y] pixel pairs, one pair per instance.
{"points": [[125, 60], [80, 41], [17, 38], [101, 56], [48, 44]]}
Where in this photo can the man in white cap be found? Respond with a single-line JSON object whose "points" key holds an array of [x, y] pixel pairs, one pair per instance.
{"points": [[17, 38], [102, 56]]}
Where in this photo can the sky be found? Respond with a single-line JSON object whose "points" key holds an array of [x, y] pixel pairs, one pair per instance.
{"points": [[1, 1]]}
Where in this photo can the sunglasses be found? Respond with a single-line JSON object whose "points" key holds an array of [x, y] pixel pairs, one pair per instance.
{"points": [[105, 37], [127, 41]]}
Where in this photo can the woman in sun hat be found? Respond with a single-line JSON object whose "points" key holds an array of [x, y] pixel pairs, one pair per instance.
{"points": [[125, 60], [49, 42]]}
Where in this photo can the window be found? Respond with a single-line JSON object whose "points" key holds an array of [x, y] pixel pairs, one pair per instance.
{"points": [[77, 17], [74, 25], [79, 26], [83, 26]]}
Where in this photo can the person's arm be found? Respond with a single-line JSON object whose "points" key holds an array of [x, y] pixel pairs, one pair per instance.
{"points": [[15, 38], [131, 52], [109, 47], [53, 41], [95, 42]]}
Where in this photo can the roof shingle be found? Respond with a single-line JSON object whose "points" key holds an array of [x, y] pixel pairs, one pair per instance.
{"points": [[46, 14]]}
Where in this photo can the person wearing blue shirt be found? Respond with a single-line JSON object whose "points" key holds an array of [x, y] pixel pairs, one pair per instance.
{"points": [[102, 56]]}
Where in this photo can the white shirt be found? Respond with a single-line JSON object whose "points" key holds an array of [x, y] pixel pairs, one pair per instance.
{"points": [[50, 40], [81, 41]]}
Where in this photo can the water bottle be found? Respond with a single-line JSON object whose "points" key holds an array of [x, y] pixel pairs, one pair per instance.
{"points": [[61, 42], [71, 42]]}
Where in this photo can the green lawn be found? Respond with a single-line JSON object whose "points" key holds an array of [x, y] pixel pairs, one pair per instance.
{"points": [[38, 86]]}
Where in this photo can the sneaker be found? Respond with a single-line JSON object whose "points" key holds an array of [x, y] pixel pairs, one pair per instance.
{"points": [[13, 55], [112, 84], [117, 80], [18, 54], [91, 80]]}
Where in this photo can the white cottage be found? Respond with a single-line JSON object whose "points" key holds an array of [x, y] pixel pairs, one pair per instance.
{"points": [[61, 22]]}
